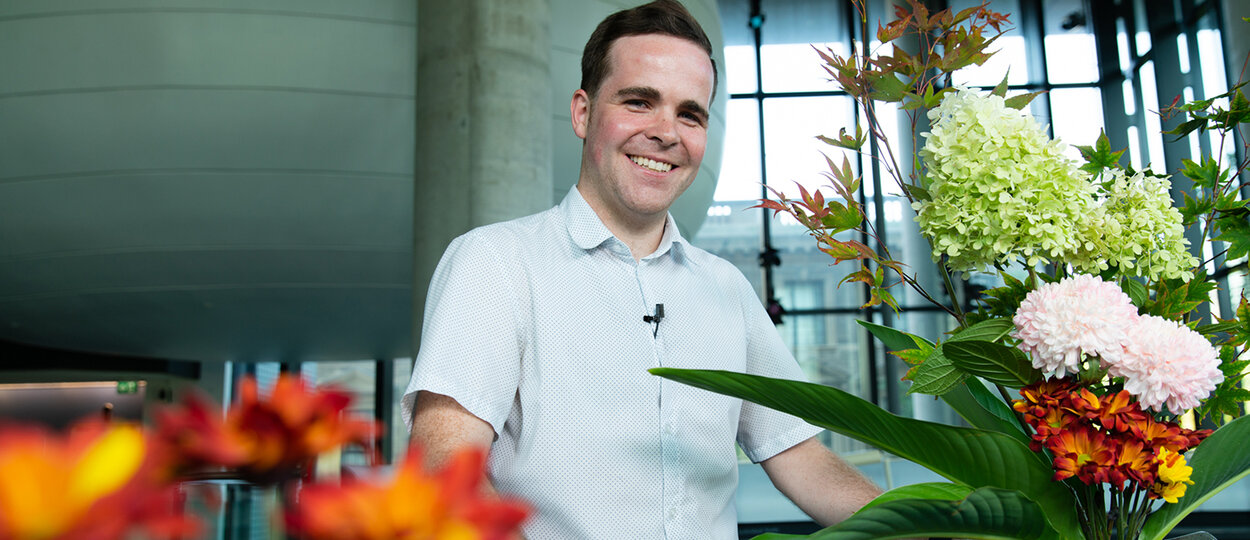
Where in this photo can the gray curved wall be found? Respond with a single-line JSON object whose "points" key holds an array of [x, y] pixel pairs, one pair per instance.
{"points": [[234, 179]]}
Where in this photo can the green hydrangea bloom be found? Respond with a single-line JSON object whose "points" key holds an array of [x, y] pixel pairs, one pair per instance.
{"points": [[1000, 189], [1136, 229]]}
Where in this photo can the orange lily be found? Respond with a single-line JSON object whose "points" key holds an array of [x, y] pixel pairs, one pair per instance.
{"points": [[414, 505], [94, 483]]}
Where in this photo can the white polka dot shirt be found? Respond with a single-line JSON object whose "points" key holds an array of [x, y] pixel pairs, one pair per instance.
{"points": [[536, 326]]}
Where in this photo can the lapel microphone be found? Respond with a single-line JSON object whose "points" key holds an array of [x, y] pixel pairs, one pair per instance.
{"points": [[659, 314]]}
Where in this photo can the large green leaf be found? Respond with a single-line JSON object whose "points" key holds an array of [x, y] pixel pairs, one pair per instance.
{"points": [[981, 409], [1218, 462], [944, 491], [974, 457], [987, 513], [994, 362]]}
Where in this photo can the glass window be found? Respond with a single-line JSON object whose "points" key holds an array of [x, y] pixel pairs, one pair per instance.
{"points": [[793, 154], [1070, 49], [741, 176], [791, 29], [1076, 116]]}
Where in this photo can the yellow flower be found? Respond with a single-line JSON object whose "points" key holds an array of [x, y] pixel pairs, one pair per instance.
{"points": [[94, 478], [1173, 478]]}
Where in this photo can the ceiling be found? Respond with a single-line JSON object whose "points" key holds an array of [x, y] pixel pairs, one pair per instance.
{"points": [[225, 181]]}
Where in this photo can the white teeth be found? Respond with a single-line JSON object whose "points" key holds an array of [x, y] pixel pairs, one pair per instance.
{"points": [[652, 164]]}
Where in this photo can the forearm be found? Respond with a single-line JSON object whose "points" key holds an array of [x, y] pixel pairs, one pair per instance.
{"points": [[823, 485]]}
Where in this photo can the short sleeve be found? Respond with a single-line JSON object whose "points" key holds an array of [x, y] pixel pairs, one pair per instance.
{"points": [[471, 342], [765, 432]]}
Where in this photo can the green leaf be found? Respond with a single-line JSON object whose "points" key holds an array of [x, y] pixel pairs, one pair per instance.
{"points": [[987, 513], [1219, 461], [1235, 231], [994, 362], [1001, 89], [917, 192], [887, 87], [944, 491], [1136, 291], [1099, 156], [981, 409], [1021, 101], [936, 376], [973, 457], [1174, 298], [1218, 328], [990, 330], [1206, 174], [894, 339], [842, 217]]}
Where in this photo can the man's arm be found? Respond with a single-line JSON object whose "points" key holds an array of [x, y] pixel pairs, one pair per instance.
{"points": [[823, 485], [441, 426]]}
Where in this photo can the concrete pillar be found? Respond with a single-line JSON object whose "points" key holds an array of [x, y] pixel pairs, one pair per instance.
{"points": [[483, 145]]}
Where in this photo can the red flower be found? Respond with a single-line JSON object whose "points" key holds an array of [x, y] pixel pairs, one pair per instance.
{"points": [[265, 440], [412, 505]]}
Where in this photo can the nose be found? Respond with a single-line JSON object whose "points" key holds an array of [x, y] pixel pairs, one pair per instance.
{"points": [[663, 130]]}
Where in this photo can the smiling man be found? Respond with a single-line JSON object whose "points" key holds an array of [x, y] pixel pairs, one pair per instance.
{"points": [[538, 332]]}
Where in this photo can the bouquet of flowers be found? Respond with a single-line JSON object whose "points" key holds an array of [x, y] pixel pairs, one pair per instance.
{"points": [[1100, 402]]}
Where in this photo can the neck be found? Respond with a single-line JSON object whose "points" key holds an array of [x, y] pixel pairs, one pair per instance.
{"points": [[641, 234]]}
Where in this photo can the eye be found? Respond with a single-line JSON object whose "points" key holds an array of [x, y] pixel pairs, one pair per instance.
{"points": [[691, 117], [636, 103]]}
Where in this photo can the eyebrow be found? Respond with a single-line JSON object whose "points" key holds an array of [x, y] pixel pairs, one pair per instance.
{"points": [[647, 92]]}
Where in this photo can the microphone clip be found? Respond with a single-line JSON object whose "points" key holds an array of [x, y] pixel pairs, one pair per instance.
{"points": [[659, 315]]}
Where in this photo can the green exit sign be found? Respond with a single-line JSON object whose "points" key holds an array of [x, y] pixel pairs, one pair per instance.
{"points": [[127, 387]]}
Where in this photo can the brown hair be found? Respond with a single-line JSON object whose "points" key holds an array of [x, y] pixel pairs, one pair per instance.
{"points": [[666, 17]]}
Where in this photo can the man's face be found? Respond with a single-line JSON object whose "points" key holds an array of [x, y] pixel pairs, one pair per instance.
{"points": [[645, 129]]}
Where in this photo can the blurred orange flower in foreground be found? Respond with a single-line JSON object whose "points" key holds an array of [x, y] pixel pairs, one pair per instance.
{"points": [[265, 440], [93, 483], [415, 505]]}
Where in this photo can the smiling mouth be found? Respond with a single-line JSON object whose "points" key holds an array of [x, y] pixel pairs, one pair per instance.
{"points": [[657, 166]]}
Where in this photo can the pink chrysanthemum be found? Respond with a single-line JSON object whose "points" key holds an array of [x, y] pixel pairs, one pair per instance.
{"points": [[1082, 314], [1165, 362]]}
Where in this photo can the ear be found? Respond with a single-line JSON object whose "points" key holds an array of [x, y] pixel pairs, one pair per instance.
{"points": [[579, 110]]}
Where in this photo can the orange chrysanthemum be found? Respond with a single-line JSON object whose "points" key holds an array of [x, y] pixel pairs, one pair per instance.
{"points": [[1166, 435], [1036, 398], [1118, 412], [413, 505], [1054, 422], [1135, 462], [264, 440], [94, 483], [1081, 452]]}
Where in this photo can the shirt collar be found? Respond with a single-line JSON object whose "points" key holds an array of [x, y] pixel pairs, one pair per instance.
{"points": [[589, 232]]}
